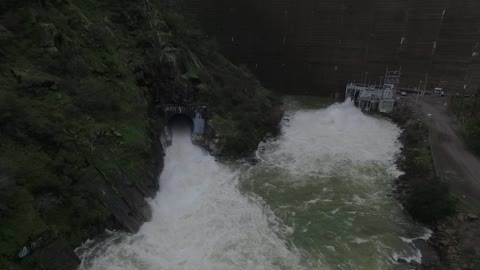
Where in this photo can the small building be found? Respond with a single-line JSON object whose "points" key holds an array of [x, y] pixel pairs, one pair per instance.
{"points": [[374, 98]]}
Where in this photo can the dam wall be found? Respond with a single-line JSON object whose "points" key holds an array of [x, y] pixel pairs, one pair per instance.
{"points": [[315, 47]]}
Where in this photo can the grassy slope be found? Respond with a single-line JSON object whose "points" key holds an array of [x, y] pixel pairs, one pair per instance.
{"points": [[62, 113], [66, 113]]}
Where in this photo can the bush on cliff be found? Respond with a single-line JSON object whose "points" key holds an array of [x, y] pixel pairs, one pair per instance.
{"points": [[430, 201]]}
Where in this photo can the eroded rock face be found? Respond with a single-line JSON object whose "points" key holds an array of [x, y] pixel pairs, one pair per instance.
{"points": [[57, 255]]}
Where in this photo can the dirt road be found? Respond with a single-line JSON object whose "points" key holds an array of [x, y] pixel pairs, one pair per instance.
{"points": [[454, 162]]}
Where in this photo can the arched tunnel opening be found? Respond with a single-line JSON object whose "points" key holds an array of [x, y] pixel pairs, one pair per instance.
{"points": [[188, 119], [179, 123]]}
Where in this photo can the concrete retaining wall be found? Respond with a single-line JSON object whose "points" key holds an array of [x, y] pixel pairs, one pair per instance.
{"points": [[313, 46]]}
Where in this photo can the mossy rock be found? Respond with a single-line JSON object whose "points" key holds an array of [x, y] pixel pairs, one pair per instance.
{"points": [[32, 79]]}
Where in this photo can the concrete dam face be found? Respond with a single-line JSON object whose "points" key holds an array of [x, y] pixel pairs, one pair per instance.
{"points": [[315, 47]]}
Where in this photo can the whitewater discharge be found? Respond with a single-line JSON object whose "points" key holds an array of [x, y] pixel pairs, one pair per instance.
{"points": [[204, 218], [200, 221], [325, 142]]}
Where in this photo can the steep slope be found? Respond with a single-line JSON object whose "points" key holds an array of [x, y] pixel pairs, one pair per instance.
{"points": [[81, 83]]}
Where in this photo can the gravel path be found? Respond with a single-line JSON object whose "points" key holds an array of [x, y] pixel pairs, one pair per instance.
{"points": [[454, 162]]}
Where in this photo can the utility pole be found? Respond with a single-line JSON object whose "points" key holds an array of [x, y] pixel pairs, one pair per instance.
{"points": [[474, 109], [418, 93], [463, 97], [425, 85]]}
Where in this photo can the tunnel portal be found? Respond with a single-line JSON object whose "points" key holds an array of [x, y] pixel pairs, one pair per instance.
{"points": [[192, 117]]}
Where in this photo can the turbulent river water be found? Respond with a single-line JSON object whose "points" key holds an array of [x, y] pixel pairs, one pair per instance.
{"points": [[320, 197]]}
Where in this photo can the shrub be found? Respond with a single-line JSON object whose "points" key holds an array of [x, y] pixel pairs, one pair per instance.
{"points": [[97, 97], [431, 201], [472, 135]]}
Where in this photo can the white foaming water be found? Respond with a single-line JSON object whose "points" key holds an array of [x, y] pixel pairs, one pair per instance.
{"points": [[334, 169], [200, 221], [341, 218], [427, 235], [322, 142]]}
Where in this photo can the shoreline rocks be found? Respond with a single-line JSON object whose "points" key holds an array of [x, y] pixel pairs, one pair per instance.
{"points": [[450, 239], [403, 116]]}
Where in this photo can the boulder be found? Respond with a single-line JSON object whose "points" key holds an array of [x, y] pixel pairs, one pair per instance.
{"points": [[57, 255], [162, 26], [444, 242], [51, 50], [47, 34], [29, 79], [472, 217], [450, 232], [430, 257], [164, 39]]}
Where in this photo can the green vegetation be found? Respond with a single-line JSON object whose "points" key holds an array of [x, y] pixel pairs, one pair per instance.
{"points": [[242, 110], [427, 198], [431, 201], [80, 82], [467, 110], [472, 134], [66, 103]]}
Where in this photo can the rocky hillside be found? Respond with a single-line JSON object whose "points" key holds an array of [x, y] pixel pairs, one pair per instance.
{"points": [[81, 82]]}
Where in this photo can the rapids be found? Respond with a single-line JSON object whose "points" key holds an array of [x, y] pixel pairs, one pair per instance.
{"points": [[319, 198]]}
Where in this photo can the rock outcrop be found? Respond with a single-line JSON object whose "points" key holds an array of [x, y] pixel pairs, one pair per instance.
{"points": [[81, 87], [57, 255]]}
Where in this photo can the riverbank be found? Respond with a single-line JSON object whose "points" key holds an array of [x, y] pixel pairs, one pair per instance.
{"points": [[81, 87], [427, 198], [308, 203]]}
